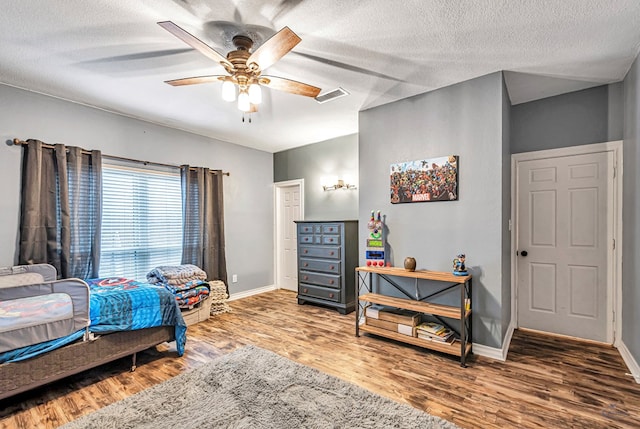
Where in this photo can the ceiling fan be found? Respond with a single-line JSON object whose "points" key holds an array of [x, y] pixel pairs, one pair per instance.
{"points": [[244, 67]]}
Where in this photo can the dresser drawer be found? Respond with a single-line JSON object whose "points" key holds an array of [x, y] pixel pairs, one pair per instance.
{"points": [[306, 229], [331, 228], [320, 265], [327, 280], [319, 292], [330, 239], [310, 239], [320, 252]]}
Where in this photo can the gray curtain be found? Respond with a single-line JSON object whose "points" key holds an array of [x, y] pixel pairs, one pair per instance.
{"points": [[203, 214], [61, 209]]}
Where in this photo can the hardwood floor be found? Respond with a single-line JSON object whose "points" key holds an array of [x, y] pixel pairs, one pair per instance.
{"points": [[547, 381]]}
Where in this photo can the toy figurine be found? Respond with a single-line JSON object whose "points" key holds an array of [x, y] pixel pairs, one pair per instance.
{"points": [[459, 269], [375, 255]]}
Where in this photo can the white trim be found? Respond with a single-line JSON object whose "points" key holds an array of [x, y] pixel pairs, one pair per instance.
{"points": [[493, 352], [514, 244], [490, 352], [615, 307], [633, 366], [617, 254], [569, 151], [248, 293], [277, 187]]}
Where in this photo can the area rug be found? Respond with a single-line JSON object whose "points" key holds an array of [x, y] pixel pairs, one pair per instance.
{"points": [[255, 388]]}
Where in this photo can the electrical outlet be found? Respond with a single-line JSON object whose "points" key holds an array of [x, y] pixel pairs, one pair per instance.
{"points": [[234, 278]]}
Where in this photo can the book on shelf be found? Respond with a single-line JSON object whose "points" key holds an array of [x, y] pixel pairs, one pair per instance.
{"points": [[449, 339], [434, 331], [439, 336], [431, 327]]}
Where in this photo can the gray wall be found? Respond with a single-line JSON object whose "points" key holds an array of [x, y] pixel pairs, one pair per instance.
{"points": [[631, 214], [316, 163], [465, 120], [248, 192], [592, 115]]}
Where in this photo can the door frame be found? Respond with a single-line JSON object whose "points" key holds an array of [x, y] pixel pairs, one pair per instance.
{"points": [[277, 194], [614, 229]]}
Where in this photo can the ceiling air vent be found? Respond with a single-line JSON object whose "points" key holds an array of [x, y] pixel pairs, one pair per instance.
{"points": [[331, 95]]}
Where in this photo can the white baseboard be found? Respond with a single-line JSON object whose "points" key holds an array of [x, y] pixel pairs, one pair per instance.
{"points": [[247, 293], [633, 366], [493, 352]]}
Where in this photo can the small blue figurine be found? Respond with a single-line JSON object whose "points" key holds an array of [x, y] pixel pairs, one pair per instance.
{"points": [[459, 269]]}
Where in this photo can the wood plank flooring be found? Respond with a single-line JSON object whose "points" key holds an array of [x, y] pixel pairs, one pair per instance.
{"points": [[547, 381]]}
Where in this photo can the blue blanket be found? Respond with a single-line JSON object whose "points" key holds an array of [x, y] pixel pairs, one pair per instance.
{"points": [[118, 305], [123, 305], [38, 349]]}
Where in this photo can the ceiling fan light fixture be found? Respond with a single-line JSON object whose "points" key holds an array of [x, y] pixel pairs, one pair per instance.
{"points": [[228, 91], [244, 66], [243, 101], [255, 93]]}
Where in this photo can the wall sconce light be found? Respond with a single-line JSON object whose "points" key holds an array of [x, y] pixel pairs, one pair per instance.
{"points": [[339, 185]]}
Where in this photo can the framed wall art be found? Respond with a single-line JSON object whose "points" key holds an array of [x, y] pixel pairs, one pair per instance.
{"points": [[433, 179]]}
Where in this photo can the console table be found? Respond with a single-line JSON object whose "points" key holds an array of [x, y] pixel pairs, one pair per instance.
{"points": [[461, 347]]}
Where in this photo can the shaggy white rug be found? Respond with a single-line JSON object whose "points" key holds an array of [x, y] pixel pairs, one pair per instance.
{"points": [[255, 388]]}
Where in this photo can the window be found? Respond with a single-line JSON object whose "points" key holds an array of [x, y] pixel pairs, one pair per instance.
{"points": [[141, 220]]}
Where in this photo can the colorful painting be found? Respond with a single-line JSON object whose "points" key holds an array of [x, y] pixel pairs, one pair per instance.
{"points": [[434, 179]]}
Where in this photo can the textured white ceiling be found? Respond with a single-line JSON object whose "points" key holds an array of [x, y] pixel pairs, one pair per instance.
{"points": [[111, 54]]}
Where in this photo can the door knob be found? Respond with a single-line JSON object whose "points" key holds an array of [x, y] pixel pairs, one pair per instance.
{"points": [[524, 253]]}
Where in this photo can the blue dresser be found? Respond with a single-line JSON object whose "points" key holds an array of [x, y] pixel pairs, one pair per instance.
{"points": [[327, 259]]}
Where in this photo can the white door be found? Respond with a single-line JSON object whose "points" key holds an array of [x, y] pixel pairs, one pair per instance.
{"points": [[563, 245], [288, 209]]}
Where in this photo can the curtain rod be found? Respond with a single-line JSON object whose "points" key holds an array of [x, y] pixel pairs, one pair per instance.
{"points": [[18, 142]]}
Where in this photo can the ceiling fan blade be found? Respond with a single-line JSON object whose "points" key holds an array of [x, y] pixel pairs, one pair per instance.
{"points": [[195, 80], [193, 41], [275, 48], [288, 85]]}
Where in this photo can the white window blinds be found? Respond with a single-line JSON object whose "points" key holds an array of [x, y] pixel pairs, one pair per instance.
{"points": [[141, 221]]}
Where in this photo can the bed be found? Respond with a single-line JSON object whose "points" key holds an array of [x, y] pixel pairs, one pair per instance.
{"points": [[50, 329]]}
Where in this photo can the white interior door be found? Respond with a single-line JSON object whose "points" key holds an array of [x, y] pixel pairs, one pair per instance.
{"points": [[564, 242], [288, 209]]}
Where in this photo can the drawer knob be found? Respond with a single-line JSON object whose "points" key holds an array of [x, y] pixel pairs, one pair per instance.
{"points": [[331, 267], [306, 264], [330, 295], [331, 282], [330, 229], [331, 240], [305, 290], [306, 277], [332, 253], [305, 251]]}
